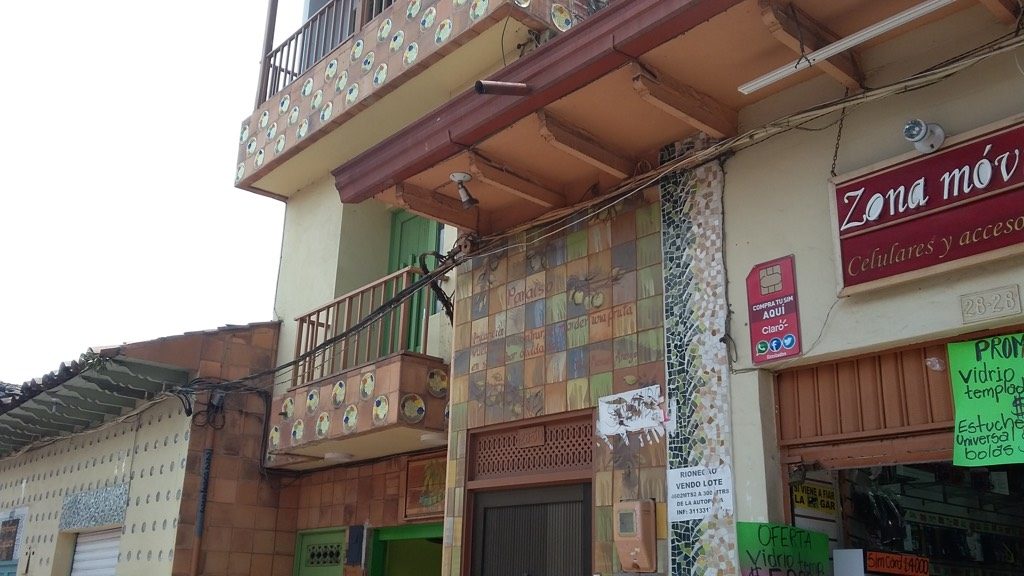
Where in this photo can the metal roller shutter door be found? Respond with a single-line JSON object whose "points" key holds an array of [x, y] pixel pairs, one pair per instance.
{"points": [[96, 553]]}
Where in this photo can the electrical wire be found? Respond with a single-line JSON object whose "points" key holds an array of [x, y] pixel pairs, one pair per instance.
{"points": [[559, 220]]}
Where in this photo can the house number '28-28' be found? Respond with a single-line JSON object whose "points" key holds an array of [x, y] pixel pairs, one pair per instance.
{"points": [[993, 303]]}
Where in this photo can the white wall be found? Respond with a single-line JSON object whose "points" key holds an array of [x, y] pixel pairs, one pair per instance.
{"points": [[777, 203], [777, 197], [148, 455]]}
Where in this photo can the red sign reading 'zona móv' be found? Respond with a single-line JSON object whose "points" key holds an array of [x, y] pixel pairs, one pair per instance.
{"points": [[965, 201]]}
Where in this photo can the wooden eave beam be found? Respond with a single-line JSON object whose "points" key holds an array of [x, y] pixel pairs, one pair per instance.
{"points": [[612, 37], [508, 181], [1006, 10], [685, 103], [436, 206], [577, 143], [795, 29]]}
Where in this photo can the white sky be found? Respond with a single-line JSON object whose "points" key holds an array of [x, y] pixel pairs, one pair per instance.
{"points": [[119, 221]]}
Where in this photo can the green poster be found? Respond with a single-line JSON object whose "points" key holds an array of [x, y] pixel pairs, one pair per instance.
{"points": [[775, 549], [988, 397]]}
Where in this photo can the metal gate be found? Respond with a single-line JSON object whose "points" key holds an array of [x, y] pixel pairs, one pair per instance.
{"points": [[96, 553], [532, 532]]}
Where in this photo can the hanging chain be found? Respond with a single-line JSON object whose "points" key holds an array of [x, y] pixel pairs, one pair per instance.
{"points": [[839, 135]]}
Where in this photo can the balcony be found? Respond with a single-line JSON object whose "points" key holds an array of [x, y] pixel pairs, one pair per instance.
{"points": [[354, 53], [364, 386]]}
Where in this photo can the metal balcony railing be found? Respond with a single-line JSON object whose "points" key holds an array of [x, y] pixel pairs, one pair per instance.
{"points": [[330, 27], [316, 38], [401, 329]]}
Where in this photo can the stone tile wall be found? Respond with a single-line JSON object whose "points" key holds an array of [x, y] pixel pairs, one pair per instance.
{"points": [[696, 355]]}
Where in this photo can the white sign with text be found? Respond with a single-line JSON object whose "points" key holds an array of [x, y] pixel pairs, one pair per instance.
{"points": [[695, 490]]}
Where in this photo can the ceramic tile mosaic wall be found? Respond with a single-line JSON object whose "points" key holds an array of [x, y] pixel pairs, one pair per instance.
{"points": [[94, 508], [696, 355], [552, 326], [401, 390]]}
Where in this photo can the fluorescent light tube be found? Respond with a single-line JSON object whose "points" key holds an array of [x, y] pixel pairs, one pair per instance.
{"points": [[855, 39]]}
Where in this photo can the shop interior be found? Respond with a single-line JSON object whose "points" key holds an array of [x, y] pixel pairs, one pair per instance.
{"points": [[966, 521]]}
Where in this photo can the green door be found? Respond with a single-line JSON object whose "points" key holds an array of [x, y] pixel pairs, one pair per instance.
{"points": [[320, 553], [8, 567], [412, 235], [412, 550]]}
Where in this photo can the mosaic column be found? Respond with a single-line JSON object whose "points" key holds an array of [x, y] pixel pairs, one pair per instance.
{"points": [[699, 427]]}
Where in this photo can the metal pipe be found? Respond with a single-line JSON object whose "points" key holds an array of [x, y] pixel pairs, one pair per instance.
{"points": [[204, 486], [502, 88], [268, 46]]}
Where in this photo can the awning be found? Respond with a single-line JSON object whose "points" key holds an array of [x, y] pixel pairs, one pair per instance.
{"points": [[102, 392]]}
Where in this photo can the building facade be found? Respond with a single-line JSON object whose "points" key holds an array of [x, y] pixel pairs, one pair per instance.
{"points": [[625, 200], [101, 458]]}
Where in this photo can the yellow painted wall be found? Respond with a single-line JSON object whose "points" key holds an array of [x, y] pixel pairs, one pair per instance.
{"points": [[777, 203], [327, 250], [147, 452], [330, 249], [309, 258]]}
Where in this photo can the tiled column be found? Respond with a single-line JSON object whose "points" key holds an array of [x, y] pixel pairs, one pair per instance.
{"points": [[696, 356]]}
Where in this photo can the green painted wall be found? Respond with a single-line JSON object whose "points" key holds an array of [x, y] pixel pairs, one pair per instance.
{"points": [[413, 558]]}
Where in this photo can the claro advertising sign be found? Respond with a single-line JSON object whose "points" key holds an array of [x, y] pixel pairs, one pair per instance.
{"points": [[927, 213]]}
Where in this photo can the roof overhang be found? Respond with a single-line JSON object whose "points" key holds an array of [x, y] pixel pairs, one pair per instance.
{"points": [[617, 35], [599, 102], [102, 393]]}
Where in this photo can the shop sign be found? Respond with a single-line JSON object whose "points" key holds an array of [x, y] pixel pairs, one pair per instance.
{"points": [[814, 498], [988, 398], [960, 205], [772, 305], [694, 492], [892, 563], [779, 549]]}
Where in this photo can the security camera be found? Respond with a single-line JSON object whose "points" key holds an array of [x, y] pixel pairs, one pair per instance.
{"points": [[925, 137]]}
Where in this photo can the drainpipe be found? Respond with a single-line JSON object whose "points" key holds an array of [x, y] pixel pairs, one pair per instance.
{"points": [[268, 45], [216, 403]]}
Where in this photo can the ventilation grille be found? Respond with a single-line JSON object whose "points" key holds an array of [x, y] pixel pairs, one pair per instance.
{"points": [[558, 447], [323, 555]]}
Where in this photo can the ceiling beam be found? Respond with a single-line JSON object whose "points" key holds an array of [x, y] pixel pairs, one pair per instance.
{"points": [[508, 181], [15, 434], [685, 103], [15, 420], [435, 205], [795, 29], [612, 37], [97, 400], [110, 386], [49, 425], [56, 413], [577, 143], [1005, 10]]}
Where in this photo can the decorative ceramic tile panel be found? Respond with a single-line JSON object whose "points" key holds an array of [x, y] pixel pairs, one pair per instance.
{"points": [[554, 324], [696, 355], [102, 507]]}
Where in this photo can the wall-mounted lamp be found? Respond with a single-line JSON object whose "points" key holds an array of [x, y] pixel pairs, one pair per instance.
{"points": [[460, 179], [924, 136]]}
